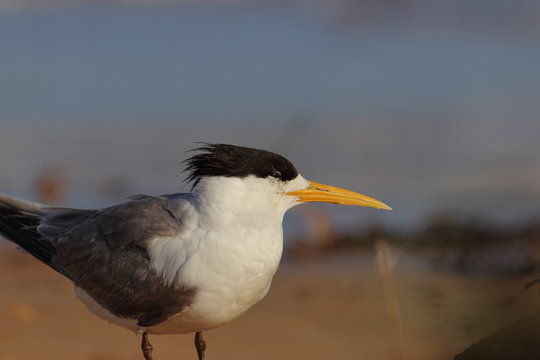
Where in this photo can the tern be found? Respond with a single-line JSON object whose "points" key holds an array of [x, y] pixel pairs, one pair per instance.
{"points": [[177, 263]]}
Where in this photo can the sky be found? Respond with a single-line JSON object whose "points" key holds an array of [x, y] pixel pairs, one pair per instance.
{"points": [[425, 108]]}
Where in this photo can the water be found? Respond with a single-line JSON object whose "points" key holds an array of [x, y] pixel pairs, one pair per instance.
{"points": [[421, 115]]}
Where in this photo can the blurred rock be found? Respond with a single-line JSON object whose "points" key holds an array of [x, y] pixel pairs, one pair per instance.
{"points": [[516, 341]]}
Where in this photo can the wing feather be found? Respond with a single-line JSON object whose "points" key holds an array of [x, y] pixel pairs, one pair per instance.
{"points": [[105, 252]]}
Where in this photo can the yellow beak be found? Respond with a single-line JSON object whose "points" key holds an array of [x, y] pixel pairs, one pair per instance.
{"points": [[335, 195]]}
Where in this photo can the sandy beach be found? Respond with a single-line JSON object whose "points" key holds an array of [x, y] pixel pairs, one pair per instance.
{"points": [[318, 308]]}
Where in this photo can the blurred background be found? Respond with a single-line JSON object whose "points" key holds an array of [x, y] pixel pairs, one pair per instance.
{"points": [[431, 106]]}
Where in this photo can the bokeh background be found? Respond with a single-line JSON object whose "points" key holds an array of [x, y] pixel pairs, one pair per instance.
{"points": [[430, 106]]}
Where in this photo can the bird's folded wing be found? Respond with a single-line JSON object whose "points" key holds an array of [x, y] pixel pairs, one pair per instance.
{"points": [[105, 253]]}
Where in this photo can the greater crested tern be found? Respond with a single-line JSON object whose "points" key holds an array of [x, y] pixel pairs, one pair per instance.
{"points": [[177, 263]]}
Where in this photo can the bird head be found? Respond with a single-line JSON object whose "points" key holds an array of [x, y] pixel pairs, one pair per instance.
{"points": [[250, 176]]}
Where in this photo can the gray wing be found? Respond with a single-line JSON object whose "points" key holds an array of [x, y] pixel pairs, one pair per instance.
{"points": [[104, 253], [19, 220]]}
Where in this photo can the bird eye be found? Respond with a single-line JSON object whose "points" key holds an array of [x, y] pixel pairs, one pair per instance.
{"points": [[276, 174]]}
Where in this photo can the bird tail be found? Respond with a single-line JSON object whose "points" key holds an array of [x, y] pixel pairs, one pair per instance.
{"points": [[19, 221]]}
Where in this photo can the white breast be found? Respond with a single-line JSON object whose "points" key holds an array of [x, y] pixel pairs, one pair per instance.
{"points": [[231, 270]]}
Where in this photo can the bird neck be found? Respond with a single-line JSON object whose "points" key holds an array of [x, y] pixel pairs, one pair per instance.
{"points": [[230, 199]]}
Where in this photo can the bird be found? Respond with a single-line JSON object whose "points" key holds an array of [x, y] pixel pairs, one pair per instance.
{"points": [[176, 263]]}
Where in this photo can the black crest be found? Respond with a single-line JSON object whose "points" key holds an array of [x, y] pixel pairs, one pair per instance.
{"points": [[238, 161]]}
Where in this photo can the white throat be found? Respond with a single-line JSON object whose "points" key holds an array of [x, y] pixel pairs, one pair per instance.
{"points": [[226, 199]]}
